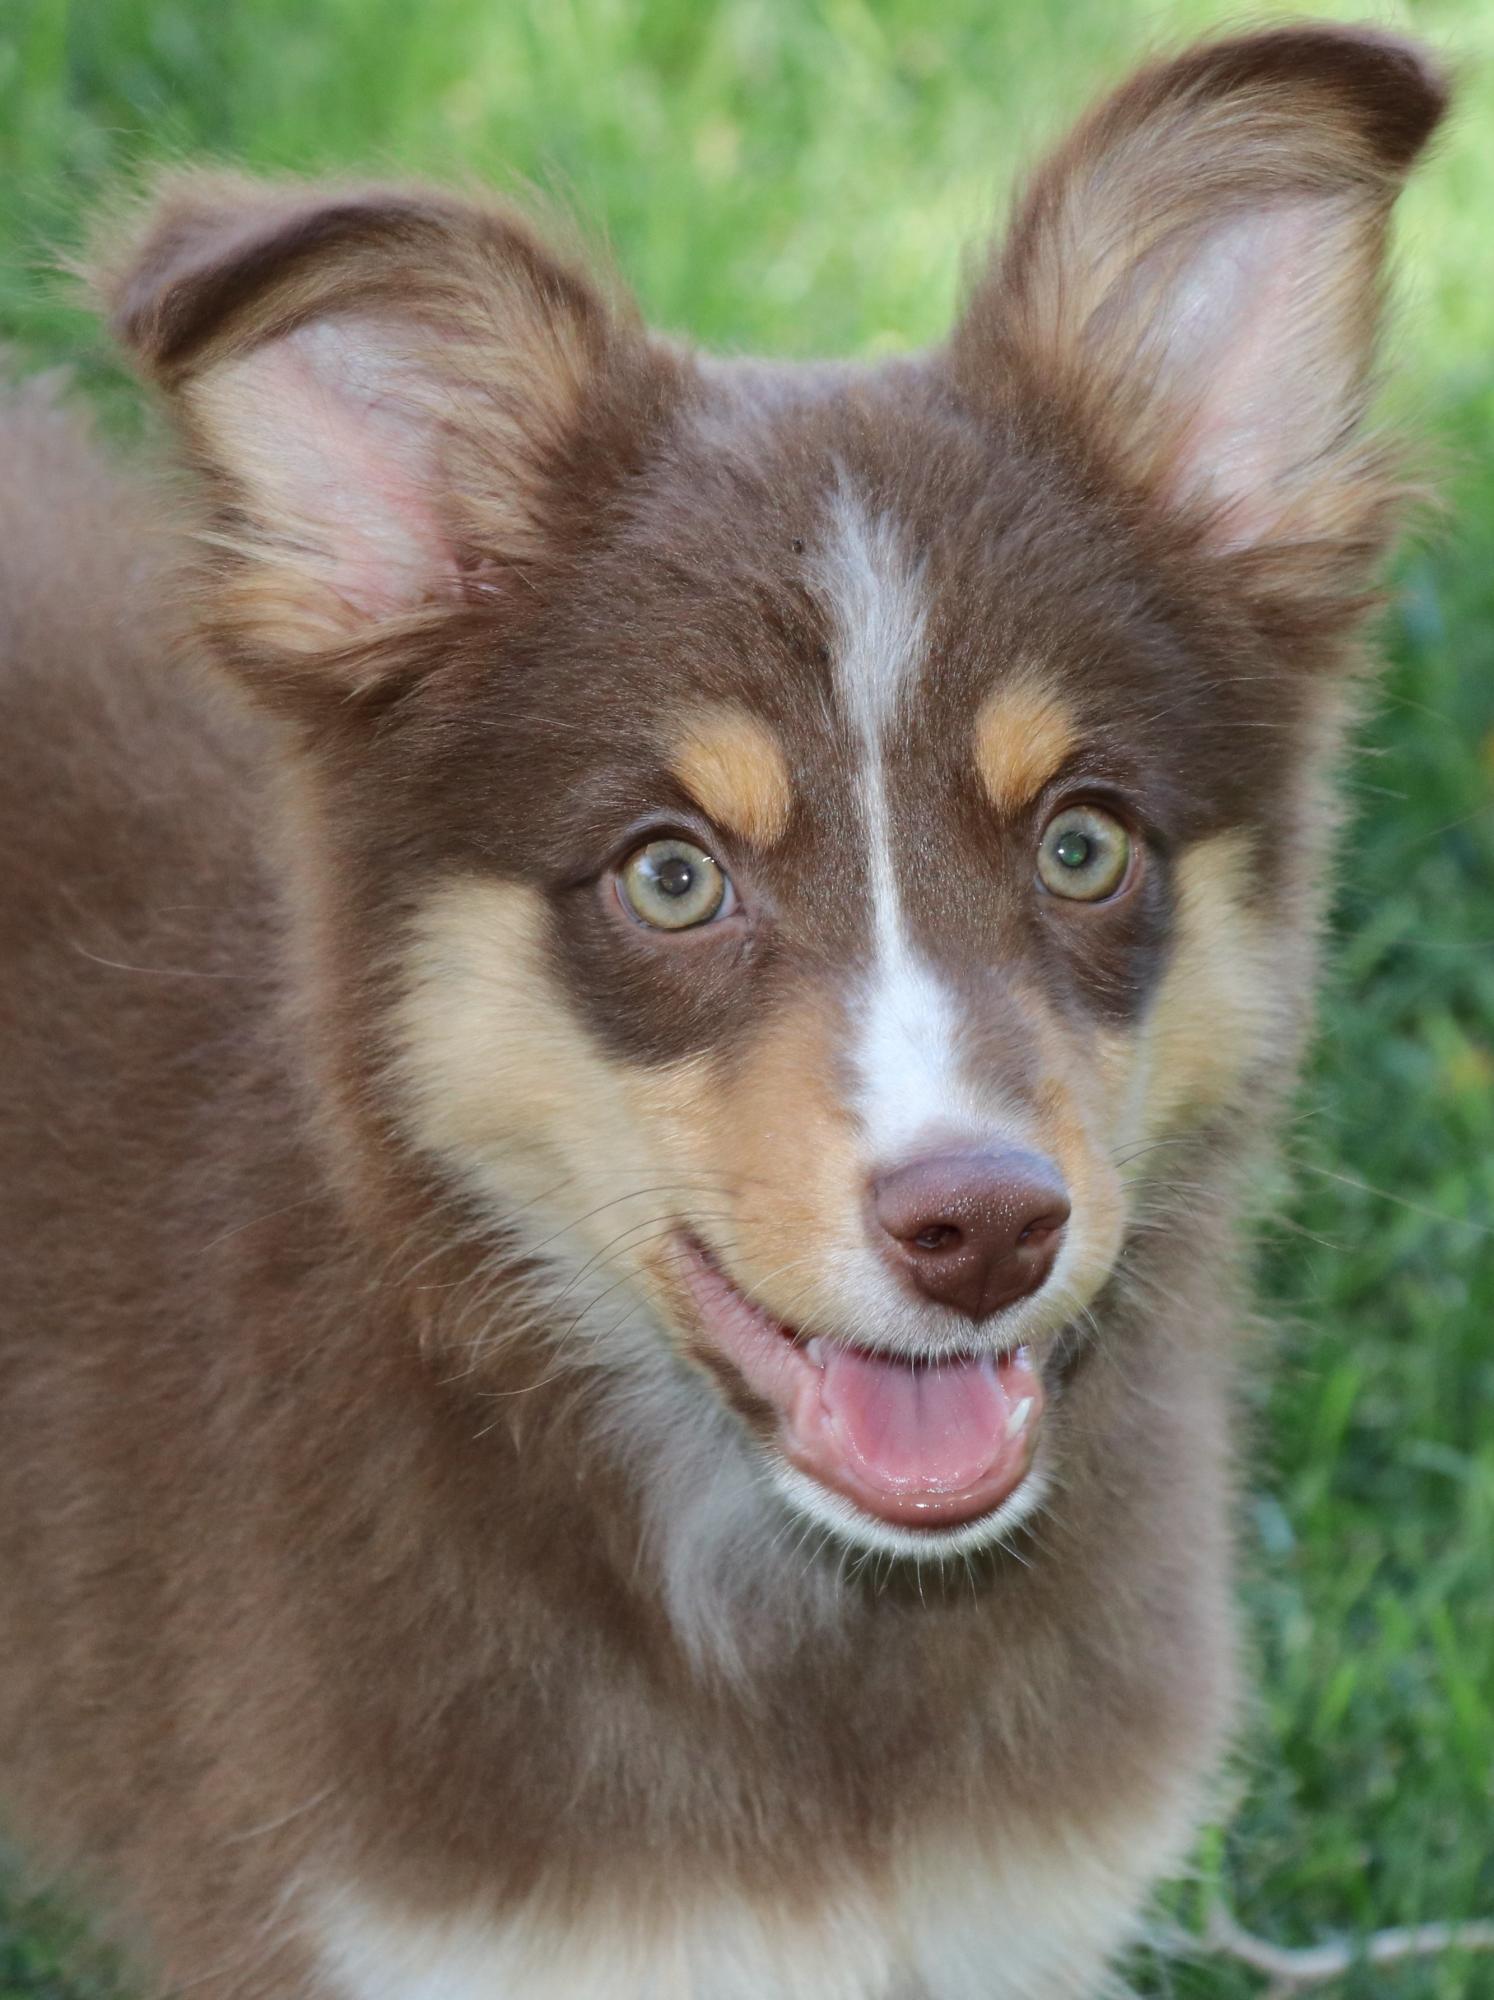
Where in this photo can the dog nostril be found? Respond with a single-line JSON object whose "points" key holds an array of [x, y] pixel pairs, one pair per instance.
{"points": [[936, 1237], [975, 1231]]}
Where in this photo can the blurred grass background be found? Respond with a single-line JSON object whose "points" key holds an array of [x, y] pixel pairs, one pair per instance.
{"points": [[802, 176]]}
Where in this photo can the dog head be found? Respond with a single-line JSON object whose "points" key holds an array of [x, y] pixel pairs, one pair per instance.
{"points": [[788, 846]]}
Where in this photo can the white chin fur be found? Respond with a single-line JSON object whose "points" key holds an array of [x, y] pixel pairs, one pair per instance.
{"points": [[851, 1524]]}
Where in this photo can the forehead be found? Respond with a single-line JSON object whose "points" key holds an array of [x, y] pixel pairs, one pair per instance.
{"points": [[832, 555], [816, 572]]}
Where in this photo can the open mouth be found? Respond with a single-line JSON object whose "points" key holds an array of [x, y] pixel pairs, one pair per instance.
{"points": [[912, 1443]]}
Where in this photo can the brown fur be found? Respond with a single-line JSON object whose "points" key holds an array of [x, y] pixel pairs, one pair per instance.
{"points": [[346, 1536]]}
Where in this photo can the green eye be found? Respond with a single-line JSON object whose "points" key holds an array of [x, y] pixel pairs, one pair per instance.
{"points": [[1085, 854], [674, 885]]}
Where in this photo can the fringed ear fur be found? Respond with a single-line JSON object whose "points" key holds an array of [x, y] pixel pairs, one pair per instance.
{"points": [[379, 385], [1195, 278]]}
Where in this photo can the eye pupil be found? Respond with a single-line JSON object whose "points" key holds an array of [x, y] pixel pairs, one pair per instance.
{"points": [[676, 876], [1073, 849]]}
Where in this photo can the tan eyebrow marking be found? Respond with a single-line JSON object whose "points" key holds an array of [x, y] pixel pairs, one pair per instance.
{"points": [[732, 767], [1022, 734]]}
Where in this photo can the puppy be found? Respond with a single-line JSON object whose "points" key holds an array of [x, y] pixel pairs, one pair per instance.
{"points": [[637, 996]]}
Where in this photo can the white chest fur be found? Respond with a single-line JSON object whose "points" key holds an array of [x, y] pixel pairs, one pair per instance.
{"points": [[1043, 1929]]}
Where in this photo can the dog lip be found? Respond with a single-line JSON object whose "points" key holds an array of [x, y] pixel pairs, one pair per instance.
{"points": [[815, 1345], [909, 1441]]}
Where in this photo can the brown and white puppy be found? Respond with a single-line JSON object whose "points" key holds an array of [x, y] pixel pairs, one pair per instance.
{"points": [[620, 1188]]}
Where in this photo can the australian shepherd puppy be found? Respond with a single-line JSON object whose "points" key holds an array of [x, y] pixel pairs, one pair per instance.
{"points": [[637, 993]]}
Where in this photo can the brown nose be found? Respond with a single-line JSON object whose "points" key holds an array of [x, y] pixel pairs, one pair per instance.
{"points": [[976, 1230]]}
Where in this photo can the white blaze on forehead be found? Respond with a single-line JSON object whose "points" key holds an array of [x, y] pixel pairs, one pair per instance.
{"points": [[877, 597], [907, 1050]]}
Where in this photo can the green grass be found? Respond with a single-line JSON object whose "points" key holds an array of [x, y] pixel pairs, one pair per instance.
{"points": [[802, 178]]}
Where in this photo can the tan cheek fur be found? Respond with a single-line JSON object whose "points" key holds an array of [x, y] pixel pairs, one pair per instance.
{"points": [[1218, 1009], [1023, 734], [1215, 1016], [1077, 1109], [498, 1075], [787, 1142], [736, 773]]}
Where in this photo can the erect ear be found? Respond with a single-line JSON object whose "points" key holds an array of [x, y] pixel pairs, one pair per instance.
{"points": [[1196, 277], [382, 385]]}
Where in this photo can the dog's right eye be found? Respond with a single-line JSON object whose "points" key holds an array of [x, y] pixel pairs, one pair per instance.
{"points": [[673, 885]]}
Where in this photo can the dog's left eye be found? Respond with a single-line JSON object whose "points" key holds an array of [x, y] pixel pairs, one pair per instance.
{"points": [[1085, 855], [673, 885]]}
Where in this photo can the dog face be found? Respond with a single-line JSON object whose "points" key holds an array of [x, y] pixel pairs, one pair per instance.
{"points": [[876, 1009], [792, 845]]}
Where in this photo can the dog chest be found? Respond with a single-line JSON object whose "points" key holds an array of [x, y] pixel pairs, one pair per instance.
{"points": [[1039, 1927]]}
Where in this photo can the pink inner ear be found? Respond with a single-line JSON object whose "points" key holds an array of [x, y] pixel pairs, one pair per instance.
{"points": [[333, 431], [1249, 343]]}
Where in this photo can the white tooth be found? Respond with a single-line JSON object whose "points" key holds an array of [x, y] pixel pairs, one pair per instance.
{"points": [[1016, 1423], [815, 1352]]}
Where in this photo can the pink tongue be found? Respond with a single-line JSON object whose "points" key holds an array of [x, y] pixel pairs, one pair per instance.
{"points": [[937, 1428]]}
